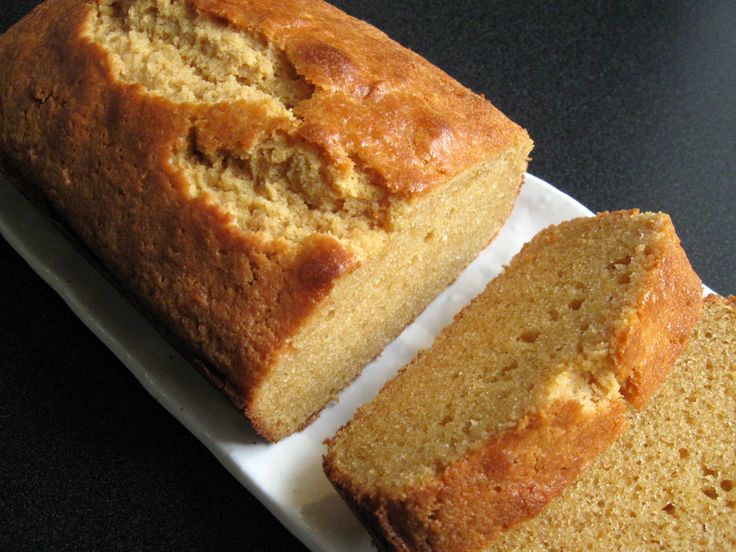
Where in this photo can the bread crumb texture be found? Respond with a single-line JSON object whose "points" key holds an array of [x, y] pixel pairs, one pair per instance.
{"points": [[282, 185], [526, 386], [668, 482]]}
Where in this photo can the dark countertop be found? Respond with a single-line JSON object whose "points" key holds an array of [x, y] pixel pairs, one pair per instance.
{"points": [[630, 106]]}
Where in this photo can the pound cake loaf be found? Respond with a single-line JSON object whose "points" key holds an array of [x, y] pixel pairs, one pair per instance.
{"points": [[528, 385], [283, 186], [669, 482]]}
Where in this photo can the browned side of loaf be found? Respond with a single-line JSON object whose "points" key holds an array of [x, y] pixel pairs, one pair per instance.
{"points": [[99, 151]]}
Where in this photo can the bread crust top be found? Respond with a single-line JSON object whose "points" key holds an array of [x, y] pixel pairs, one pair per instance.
{"points": [[374, 100]]}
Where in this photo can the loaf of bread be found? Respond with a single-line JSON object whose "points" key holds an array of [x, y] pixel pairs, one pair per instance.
{"points": [[529, 384], [669, 482], [281, 185]]}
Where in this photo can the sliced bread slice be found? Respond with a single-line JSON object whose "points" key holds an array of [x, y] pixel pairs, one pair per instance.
{"points": [[524, 389], [669, 482]]}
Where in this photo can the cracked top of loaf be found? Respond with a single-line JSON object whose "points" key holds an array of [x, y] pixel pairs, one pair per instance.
{"points": [[365, 100]]}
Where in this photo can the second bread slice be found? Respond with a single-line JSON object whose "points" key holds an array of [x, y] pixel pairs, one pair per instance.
{"points": [[524, 389], [668, 482]]}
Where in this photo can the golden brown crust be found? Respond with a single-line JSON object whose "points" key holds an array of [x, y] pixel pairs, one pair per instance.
{"points": [[382, 105], [664, 322], [511, 478], [101, 151]]}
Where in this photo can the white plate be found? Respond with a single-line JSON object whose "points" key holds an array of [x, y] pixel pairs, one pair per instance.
{"points": [[287, 476]]}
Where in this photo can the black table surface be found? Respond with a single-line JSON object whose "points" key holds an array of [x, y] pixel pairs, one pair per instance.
{"points": [[630, 104]]}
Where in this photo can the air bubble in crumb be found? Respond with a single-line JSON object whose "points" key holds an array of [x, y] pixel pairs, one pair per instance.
{"points": [[710, 492], [529, 337]]}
